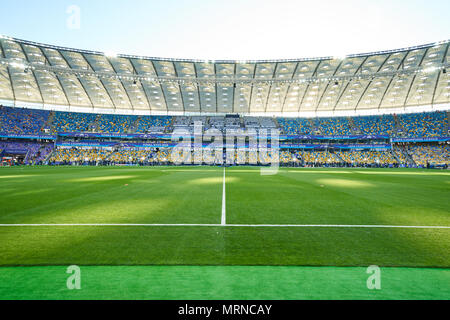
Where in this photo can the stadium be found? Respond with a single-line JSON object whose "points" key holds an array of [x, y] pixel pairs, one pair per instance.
{"points": [[386, 109], [224, 179]]}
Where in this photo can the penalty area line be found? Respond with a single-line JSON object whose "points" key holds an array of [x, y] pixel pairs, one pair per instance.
{"points": [[215, 225]]}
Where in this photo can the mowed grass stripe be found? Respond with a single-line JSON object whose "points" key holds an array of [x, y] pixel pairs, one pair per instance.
{"points": [[110, 195], [224, 246], [325, 196], [230, 283]]}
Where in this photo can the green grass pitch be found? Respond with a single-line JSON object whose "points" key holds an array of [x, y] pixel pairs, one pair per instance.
{"points": [[115, 201]]}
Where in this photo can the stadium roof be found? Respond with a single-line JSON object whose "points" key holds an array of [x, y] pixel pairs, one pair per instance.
{"points": [[45, 76]]}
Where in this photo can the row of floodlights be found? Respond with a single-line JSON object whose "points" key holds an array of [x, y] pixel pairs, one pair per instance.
{"points": [[211, 81]]}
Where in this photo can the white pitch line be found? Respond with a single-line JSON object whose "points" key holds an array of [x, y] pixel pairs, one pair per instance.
{"points": [[333, 226], [108, 225], [224, 199], [217, 225]]}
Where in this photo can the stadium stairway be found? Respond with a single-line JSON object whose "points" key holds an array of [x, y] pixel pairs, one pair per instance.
{"points": [[241, 122], [50, 154], [133, 127], [136, 124], [169, 128], [409, 159], [339, 157], [110, 155], [1, 122], [300, 158], [28, 156], [94, 125], [354, 128], [277, 125], [49, 123], [396, 157], [399, 130], [448, 121], [314, 127]]}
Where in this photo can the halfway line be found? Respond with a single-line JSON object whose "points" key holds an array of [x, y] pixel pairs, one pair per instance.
{"points": [[224, 199]]}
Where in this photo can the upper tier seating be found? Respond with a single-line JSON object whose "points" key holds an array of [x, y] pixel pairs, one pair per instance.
{"points": [[22, 121], [431, 124], [334, 126], [72, 121], [111, 123], [153, 124], [376, 125], [295, 126], [30, 121]]}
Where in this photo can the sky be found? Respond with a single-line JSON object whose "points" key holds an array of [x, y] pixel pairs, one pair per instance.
{"points": [[228, 29]]}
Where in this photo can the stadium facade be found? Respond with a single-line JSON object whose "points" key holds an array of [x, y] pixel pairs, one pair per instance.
{"points": [[68, 106]]}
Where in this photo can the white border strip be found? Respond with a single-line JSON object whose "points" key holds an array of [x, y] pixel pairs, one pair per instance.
{"points": [[217, 225]]}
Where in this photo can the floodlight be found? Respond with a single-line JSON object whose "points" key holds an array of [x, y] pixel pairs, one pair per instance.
{"points": [[110, 54]]}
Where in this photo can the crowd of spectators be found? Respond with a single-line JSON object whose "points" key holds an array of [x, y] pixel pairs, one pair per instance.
{"points": [[422, 154], [111, 123], [22, 121], [33, 121], [72, 122], [334, 126], [430, 154], [368, 157], [431, 124], [295, 126], [153, 124], [376, 125], [79, 155]]}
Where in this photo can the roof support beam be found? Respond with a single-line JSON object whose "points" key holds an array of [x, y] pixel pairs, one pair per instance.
{"points": [[289, 87], [162, 91], [270, 88], [390, 81], [251, 90], [179, 87], [215, 88], [198, 88], [57, 78], [234, 89], [370, 82], [307, 87], [348, 83], [439, 74], [103, 84], [414, 78], [79, 82], [9, 74], [121, 83], [32, 72], [328, 83], [142, 86]]}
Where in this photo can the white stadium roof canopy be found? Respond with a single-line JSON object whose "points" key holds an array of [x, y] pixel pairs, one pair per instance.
{"points": [[57, 78]]}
